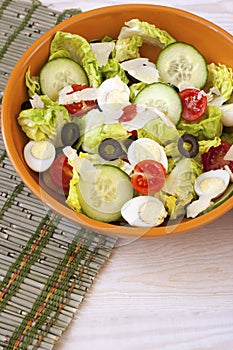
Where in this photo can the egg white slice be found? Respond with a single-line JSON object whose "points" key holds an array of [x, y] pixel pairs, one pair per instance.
{"points": [[145, 148], [144, 211], [113, 95], [212, 183], [227, 114], [39, 155], [197, 206]]}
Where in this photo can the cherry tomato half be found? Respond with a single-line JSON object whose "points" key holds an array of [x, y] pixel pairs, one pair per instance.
{"points": [[82, 107], [148, 176], [61, 172], [194, 104], [214, 158]]}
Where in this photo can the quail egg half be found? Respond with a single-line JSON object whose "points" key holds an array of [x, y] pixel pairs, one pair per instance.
{"points": [[113, 94], [144, 211], [145, 148], [212, 183], [39, 155], [208, 186]]}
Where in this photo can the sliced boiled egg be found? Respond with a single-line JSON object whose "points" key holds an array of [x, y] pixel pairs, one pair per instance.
{"points": [[144, 211], [228, 169], [113, 95], [145, 148], [39, 155], [141, 69], [208, 186], [212, 183], [227, 114], [197, 206]]}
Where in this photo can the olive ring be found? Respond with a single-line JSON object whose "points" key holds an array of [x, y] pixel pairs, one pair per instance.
{"points": [[191, 140]]}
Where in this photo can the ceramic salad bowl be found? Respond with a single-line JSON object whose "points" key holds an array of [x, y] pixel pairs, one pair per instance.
{"points": [[175, 26]]}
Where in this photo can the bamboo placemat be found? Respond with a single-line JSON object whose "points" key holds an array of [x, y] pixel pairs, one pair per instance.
{"points": [[47, 264]]}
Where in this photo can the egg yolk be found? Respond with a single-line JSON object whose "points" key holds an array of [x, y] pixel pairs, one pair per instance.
{"points": [[42, 150], [212, 185], [152, 213]]}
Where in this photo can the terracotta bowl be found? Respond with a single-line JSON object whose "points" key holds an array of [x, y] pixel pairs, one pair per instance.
{"points": [[214, 43]]}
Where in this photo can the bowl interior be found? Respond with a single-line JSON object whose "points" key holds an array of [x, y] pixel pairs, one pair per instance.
{"points": [[213, 42]]}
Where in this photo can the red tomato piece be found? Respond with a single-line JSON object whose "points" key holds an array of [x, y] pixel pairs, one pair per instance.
{"points": [[148, 176], [129, 113], [214, 158], [82, 107], [61, 172], [194, 104]]}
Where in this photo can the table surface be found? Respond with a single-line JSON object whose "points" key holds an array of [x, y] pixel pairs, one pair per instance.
{"points": [[169, 293]]}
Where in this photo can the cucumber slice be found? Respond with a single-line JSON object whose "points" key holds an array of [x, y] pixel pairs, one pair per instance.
{"points": [[182, 65], [103, 197], [58, 73], [163, 97]]}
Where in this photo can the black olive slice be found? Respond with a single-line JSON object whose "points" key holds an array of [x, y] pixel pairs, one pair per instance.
{"points": [[126, 143], [188, 152], [70, 134], [110, 149], [174, 87], [26, 105]]}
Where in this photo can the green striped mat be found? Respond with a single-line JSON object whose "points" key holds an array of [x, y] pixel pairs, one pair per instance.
{"points": [[47, 263]]}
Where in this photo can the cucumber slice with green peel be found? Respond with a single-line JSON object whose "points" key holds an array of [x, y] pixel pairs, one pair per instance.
{"points": [[163, 97], [182, 65], [103, 197], [58, 73]]}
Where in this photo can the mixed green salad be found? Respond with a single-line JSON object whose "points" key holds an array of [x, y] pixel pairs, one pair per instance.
{"points": [[129, 140]]}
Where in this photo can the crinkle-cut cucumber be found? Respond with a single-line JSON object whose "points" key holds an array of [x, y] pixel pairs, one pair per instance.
{"points": [[182, 65], [58, 73], [163, 97], [102, 197]]}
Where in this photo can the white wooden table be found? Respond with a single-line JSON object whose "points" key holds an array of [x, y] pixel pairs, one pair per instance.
{"points": [[170, 293]]}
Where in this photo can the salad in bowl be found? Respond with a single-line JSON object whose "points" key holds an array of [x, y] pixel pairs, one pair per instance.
{"points": [[129, 140], [124, 126]]}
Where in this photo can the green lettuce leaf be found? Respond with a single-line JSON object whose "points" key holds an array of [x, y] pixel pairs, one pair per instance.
{"points": [[32, 83], [135, 89], [78, 49], [174, 154], [209, 127], [127, 48], [157, 130], [205, 145], [94, 136], [148, 32], [220, 77], [227, 135], [72, 199], [42, 123], [180, 186], [113, 68], [96, 131]]}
